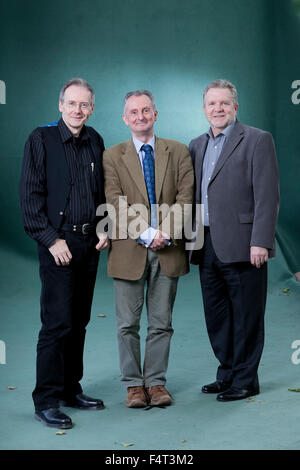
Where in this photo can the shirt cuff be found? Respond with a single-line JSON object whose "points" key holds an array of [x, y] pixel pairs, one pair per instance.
{"points": [[147, 236], [47, 237]]}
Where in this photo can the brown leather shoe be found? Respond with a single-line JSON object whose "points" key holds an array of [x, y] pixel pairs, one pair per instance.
{"points": [[159, 395], [136, 397]]}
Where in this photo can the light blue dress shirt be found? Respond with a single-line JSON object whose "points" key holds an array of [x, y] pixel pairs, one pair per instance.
{"points": [[147, 236], [212, 153]]}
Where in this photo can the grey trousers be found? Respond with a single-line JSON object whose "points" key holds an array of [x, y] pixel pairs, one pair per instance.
{"points": [[129, 297]]}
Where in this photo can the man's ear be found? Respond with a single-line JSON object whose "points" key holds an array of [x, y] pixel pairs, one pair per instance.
{"points": [[125, 119], [92, 109]]}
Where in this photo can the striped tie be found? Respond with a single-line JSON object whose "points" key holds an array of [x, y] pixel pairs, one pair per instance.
{"points": [[149, 175]]}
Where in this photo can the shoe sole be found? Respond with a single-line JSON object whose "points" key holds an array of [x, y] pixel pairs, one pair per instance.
{"points": [[77, 407], [85, 407], [161, 403], [58, 426], [237, 399], [136, 405]]}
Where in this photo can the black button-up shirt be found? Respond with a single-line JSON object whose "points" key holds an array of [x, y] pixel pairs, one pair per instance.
{"points": [[82, 204]]}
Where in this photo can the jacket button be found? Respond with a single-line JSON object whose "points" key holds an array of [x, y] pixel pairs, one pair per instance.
{"points": [[61, 213]]}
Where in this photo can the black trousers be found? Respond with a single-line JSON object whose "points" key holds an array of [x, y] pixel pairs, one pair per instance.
{"points": [[66, 299], [234, 297]]}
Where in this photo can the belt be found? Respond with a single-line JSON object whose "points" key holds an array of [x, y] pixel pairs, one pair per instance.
{"points": [[85, 228]]}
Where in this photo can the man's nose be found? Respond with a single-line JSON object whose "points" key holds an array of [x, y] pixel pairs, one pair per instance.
{"points": [[218, 106], [78, 108], [140, 115]]}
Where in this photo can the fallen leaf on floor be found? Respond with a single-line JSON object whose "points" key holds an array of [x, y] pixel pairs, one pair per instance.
{"points": [[250, 399], [101, 315], [60, 433], [124, 444], [285, 290], [294, 389], [11, 388], [184, 440]]}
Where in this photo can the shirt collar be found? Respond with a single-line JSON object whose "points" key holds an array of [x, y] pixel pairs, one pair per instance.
{"points": [[67, 135], [225, 131], [138, 144]]}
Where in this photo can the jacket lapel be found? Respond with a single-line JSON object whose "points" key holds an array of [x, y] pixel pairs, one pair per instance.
{"points": [[132, 162], [200, 152], [161, 162], [230, 145]]}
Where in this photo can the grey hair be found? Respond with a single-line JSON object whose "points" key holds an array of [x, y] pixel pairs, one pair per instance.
{"points": [[222, 84], [139, 93], [78, 82]]}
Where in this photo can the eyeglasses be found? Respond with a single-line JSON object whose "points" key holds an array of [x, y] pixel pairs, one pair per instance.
{"points": [[73, 105]]}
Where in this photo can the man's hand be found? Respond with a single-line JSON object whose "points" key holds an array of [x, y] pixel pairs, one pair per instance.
{"points": [[159, 241], [258, 256], [60, 252], [103, 243]]}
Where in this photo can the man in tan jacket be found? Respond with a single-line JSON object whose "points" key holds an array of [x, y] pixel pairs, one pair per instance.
{"points": [[149, 184]]}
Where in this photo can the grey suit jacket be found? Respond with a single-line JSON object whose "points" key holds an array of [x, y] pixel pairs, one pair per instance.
{"points": [[243, 194]]}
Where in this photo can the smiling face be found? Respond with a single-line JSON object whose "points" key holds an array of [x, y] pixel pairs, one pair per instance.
{"points": [[219, 109], [140, 116], [76, 107]]}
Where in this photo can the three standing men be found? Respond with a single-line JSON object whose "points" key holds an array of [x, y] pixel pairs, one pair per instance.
{"points": [[61, 187], [145, 171], [237, 183]]}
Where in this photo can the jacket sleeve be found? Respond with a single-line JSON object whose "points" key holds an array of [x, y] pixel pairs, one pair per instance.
{"points": [[266, 192], [33, 192]]}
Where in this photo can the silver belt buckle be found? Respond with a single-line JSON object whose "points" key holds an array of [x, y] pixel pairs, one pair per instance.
{"points": [[84, 230]]}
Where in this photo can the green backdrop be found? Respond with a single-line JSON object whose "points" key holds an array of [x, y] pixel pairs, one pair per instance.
{"points": [[171, 47]]}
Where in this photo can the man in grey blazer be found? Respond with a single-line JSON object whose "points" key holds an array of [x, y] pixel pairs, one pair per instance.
{"points": [[236, 180]]}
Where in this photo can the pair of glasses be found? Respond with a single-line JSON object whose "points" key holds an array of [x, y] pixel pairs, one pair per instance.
{"points": [[73, 105]]}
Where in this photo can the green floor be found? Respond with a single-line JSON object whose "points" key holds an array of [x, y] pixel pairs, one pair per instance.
{"points": [[194, 421]]}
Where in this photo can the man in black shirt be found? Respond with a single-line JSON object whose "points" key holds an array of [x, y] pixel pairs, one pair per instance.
{"points": [[60, 189]]}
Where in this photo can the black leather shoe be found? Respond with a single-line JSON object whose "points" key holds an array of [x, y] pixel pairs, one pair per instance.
{"points": [[83, 402], [54, 418], [234, 393], [216, 387]]}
